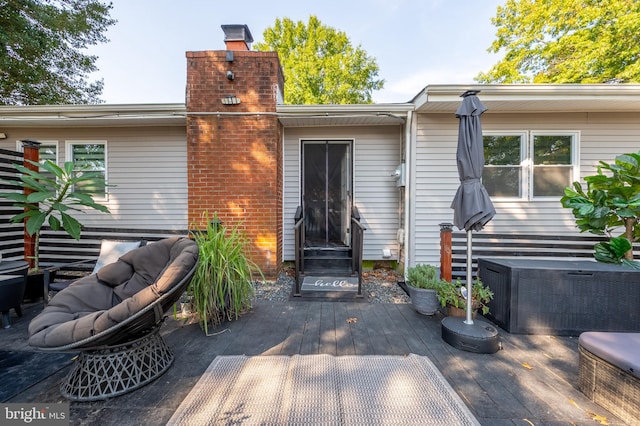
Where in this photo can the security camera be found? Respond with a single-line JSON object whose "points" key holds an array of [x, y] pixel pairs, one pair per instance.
{"points": [[230, 75]]}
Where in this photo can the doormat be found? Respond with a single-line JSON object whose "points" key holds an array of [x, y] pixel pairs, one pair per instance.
{"points": [[322, 389], [19, 370], [316, 283]]}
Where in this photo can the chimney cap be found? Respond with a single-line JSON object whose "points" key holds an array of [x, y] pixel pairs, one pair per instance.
{"points": [[237, 32]]}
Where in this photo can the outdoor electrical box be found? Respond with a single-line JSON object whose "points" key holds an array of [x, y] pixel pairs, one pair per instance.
{"points": [[400, 175]]}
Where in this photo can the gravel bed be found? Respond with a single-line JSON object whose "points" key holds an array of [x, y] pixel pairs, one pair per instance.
{"points": [[379, 286]]}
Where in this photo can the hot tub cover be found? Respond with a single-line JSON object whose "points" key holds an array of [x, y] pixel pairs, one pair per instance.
{"points": [[95, 304]]}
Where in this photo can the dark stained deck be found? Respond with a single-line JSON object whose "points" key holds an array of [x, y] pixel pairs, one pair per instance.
{"points": [[532, 381]]}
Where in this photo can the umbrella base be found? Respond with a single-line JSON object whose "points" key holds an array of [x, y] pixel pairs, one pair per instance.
{"points": [[480, 337]]}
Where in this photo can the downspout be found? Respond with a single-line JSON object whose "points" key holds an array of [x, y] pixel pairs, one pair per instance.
{"points": [[409, 195]]}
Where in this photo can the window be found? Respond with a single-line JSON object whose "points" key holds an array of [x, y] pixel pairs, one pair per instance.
{"points": [[48, 150], [90, 155], [502, 175], [552, 164], [529, 164]]}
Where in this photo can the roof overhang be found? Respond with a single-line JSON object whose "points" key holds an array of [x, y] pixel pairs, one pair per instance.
{"points": [[126, 115], [533, 98], [343, 115], [100, 115], [530, 98]]}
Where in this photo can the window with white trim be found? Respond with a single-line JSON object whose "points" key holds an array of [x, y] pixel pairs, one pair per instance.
{"points": [[529, 165], [48, 150], [92, 156]]}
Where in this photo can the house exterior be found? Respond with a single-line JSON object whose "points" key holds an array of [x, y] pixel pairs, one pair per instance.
{"points": [[235, 150]]}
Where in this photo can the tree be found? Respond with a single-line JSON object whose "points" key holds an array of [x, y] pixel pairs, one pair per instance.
{"points": [[320, 65], [41, 42], [610, 203], [560, 41]]}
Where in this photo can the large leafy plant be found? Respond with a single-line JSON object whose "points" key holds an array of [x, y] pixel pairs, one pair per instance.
{"points": [[222, 286], [51, 195], [610, 206]]}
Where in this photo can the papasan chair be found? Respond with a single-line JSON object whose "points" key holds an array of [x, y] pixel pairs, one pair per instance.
{"points": [[113, 318]]}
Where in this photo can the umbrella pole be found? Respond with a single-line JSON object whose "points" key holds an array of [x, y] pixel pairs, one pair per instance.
{"points": [[480, 337], [469, 302]]}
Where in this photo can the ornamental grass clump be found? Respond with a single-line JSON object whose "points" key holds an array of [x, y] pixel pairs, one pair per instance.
{"points": [[222, 286]]}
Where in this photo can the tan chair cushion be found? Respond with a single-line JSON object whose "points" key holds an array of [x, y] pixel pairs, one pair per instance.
{"points": [[94, 304]]}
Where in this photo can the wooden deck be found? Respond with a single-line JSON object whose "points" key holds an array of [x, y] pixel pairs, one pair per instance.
{"points": [[532, 381]]}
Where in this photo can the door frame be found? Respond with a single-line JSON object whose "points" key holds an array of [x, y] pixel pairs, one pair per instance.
{"points": [[349, 163]]}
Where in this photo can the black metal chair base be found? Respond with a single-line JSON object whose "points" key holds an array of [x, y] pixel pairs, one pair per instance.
{"points": [[115, 370]]}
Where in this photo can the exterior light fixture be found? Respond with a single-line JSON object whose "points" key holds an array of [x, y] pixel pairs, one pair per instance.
{"points": [[230, 100]]}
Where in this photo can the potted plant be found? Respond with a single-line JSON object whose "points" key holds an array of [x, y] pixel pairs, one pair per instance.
{"points": [[51, 195], [610, 206], [452, 297], [222, 287], [423, 282]]}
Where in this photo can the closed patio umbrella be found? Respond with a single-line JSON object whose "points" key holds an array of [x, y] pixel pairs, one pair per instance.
{"points": [[472, 205], [472, 211]]}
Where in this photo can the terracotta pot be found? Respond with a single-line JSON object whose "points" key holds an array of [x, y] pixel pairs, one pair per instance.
{"points": [[452, 311]]}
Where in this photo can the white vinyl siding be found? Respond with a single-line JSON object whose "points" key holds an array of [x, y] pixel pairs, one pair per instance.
{"points": [[376, 152], [146, 165], [602, 136]]}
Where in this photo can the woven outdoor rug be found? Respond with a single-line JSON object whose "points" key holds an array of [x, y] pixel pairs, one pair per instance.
{"points": [[322, 389]]}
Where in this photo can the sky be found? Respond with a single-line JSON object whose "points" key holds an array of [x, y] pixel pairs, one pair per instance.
{"points": [[415, 42]]}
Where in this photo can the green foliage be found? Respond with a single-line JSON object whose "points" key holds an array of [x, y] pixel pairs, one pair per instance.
{"points": [[451, 294], [611, 203], [559, 41], [424, 276], [614, 251], [52, 198], [41, 44], [320, 65], [222, 284]]}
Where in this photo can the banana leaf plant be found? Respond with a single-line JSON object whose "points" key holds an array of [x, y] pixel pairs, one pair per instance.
{"points": [[610, 206], [51, 195]]}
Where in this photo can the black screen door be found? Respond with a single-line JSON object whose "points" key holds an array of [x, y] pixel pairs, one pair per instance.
{"points": [[326, 192]]}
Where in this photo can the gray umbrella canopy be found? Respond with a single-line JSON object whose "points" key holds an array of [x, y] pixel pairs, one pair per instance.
{"points": [[472, 206]]}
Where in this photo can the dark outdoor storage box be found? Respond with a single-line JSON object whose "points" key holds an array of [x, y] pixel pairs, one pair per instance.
{"points": [[561, 297]]}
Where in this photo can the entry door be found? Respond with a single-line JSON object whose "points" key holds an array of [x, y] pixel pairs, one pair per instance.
{"points": [[326, 192]]}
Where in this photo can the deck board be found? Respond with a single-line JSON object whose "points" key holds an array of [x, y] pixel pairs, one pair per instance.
{"points": [[361, 342], [343, 331], [498, 388], [296, 323], [311, 334]]}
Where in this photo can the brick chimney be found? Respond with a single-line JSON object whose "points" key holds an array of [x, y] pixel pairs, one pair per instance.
{"points": [[234, 142], [237, 37]]}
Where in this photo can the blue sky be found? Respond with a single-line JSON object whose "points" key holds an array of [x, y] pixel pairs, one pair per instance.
{"points": [[415, 42]]}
